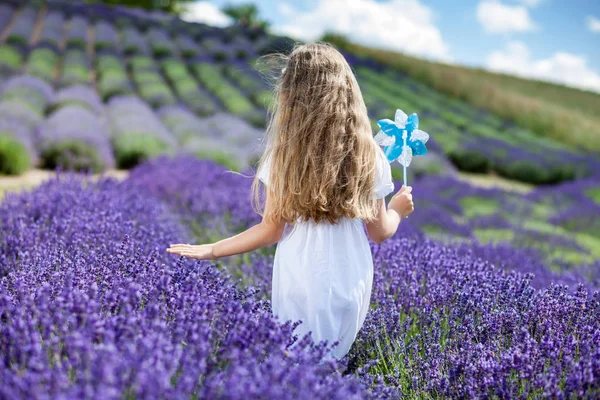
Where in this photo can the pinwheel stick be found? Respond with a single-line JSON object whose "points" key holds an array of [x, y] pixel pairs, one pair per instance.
{"points": [[404, 134]]}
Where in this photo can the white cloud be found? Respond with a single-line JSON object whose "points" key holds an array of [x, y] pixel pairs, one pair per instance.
{"points": [[204, 11], [529, 3], [565, 68], [496, 17], [593, 24], [404, 25]]}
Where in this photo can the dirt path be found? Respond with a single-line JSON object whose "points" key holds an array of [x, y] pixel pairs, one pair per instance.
{"points": [[34, 177]]}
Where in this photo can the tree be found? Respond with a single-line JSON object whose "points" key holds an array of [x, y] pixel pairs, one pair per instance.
{"points": [[172, 6], [245, 14]]}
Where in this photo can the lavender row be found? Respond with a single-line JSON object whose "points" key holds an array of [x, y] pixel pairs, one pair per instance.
{"points": [[89, 257], [23, 101], [134, 42], [43, 62], [75, 138], [150, 84], [223, 138], [52, 31], [77, 32], [22, 28], [112, 78], [75, 69], [106, 37], [138, 134], [6, 13]]}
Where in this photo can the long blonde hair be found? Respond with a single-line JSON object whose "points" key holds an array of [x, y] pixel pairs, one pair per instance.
{"points": [[319, 141]]}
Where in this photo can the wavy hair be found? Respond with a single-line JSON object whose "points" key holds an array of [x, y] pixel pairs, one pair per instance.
{"points": [[319, 141]]}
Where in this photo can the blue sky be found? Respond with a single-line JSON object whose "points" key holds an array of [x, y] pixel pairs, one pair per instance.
{"points": [[555, 40]]}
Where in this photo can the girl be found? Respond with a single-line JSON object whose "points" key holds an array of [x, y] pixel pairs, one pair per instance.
{"points": [[324, 176]]}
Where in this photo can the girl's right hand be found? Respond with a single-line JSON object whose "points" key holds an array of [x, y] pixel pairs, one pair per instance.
{"points": [[402, 202]]}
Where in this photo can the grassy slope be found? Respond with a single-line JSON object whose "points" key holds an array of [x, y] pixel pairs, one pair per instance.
{"points": [[566, 114]]}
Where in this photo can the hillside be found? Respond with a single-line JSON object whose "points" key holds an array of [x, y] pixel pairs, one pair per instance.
{"points": [[141, 84], [567, 114]]}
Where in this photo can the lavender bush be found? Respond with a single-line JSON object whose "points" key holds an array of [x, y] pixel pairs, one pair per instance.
{"points": [[160, 43], [28, 89], [106, 36], [53, 28], [138, 134], [22, 28], [42, 62], [75, 69], [80, 95], [77, 32], [134, 42], [73, 137], [17, 152]]}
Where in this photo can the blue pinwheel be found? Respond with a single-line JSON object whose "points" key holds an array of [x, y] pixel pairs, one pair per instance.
{"points": [[402, 138]]}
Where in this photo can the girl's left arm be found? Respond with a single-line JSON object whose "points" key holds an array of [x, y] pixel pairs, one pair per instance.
{"points": [[260, 235]]}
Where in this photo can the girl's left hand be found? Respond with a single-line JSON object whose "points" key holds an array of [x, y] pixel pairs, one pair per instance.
{"points": [[199, 252]]}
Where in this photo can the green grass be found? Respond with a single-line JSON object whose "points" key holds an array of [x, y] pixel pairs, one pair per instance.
{"points": [[565, 114], [478, 206], [220, 157], [594, 194], [494, 235]]}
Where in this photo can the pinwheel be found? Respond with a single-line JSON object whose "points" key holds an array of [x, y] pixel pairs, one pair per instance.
{"points": [[402, 138]]}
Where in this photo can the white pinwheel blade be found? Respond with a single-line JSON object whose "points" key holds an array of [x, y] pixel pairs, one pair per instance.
{"points": [[400, 119], [419, 135], [384, 140], [406, 156]]}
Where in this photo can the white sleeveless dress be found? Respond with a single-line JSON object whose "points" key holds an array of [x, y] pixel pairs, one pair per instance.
{"points": [[323, 273]]}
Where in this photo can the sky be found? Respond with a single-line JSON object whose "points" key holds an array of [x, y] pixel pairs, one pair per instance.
{"points": [[552, 40]]}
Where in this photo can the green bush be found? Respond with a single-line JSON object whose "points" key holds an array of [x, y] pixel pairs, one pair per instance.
{"points": [[113, 87], [469, 160], [14, 157], [72, 155], [17, 39], [156, 94], [74, 74], [10, 58], [132, 149], [141, 62], [42, 63]]}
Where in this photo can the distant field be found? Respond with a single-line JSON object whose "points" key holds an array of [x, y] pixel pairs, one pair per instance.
{"points": [[565, 114]]}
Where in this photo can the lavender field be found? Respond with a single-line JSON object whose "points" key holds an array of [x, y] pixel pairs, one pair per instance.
{"points": [[482, 292]]}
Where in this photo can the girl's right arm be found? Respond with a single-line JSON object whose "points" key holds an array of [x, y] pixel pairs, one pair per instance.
{"points": [[386, 223], [260, 235]]}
